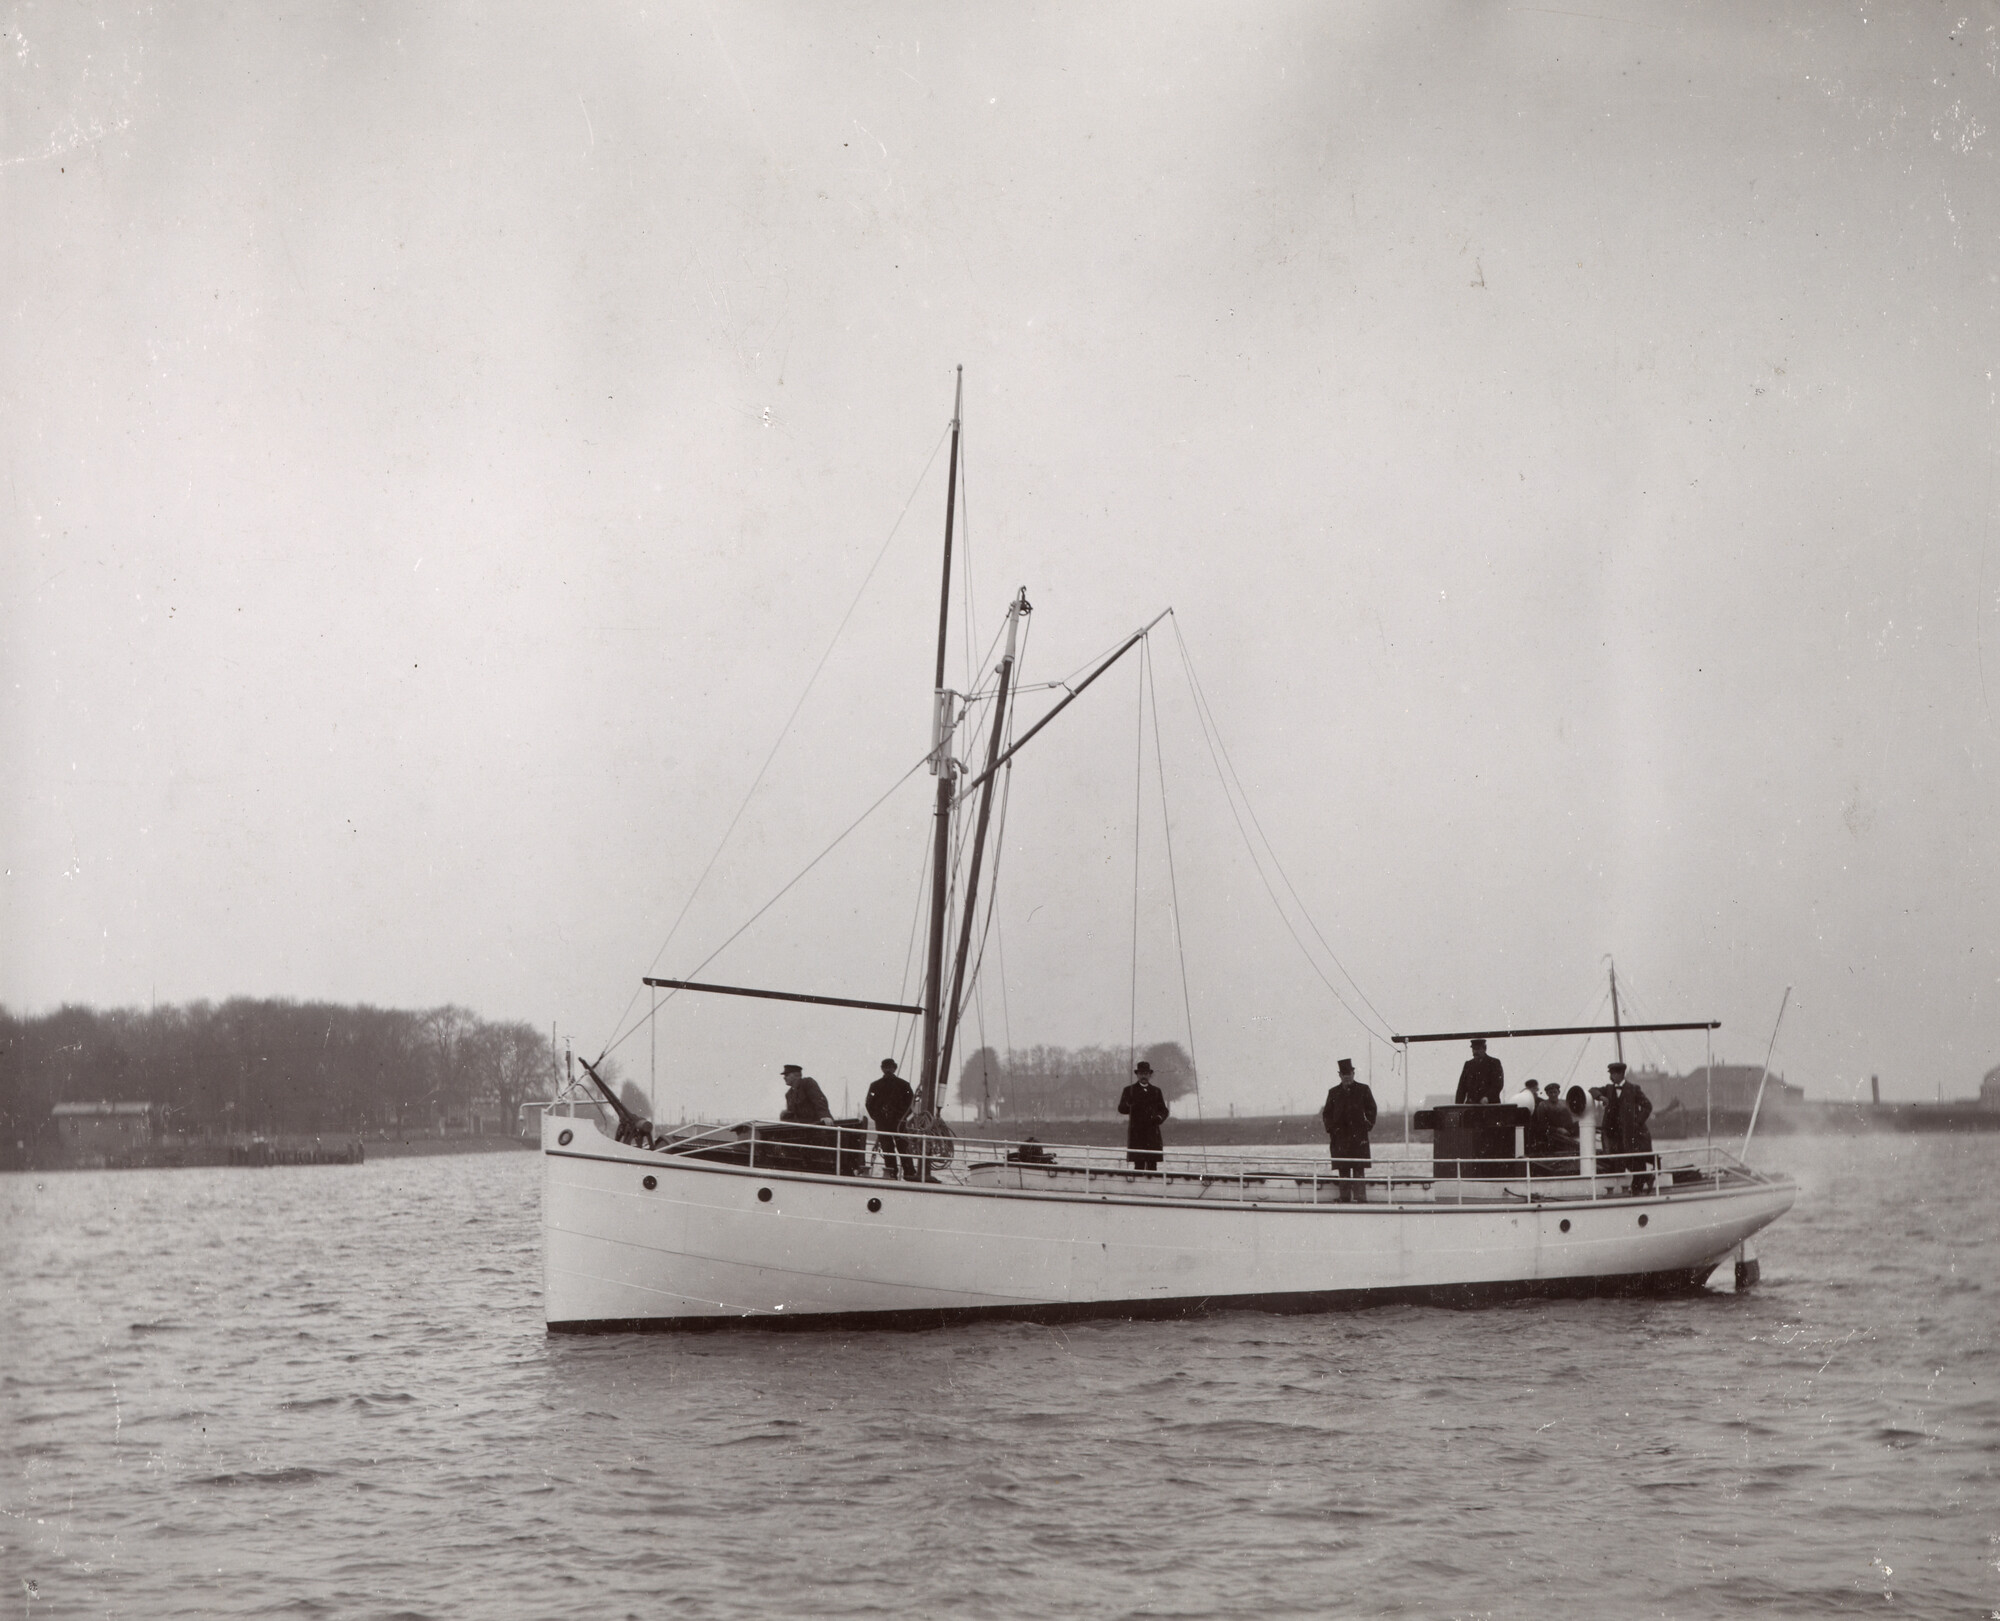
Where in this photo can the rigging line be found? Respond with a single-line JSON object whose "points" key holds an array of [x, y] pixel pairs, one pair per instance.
{"points": [[993, 897], [1583, 1046], [1249, 846], [1545, 1054], [1068, 682], [998, 841], [901, 1038], [1648, 1039], [966, 610], [999, 934], [979, 1014], [778, 743], [1174, 889], [1138, 821], [1202, 701], [922, 761]]}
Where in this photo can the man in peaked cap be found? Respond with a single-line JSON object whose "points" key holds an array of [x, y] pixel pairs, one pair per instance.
{"points": [[1347, 1114], [804, 1101], [1483, 1078], [1145, 1107]]}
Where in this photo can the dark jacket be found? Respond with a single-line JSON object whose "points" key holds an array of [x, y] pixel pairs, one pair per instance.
{"points": [[889, 1100], [1482, 1080], [1626, 1112], [1551, 1129], [1147, 1106], [1347, 1114], [804, 1101]]}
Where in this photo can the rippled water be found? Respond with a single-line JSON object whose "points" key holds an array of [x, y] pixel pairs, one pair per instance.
{"points": [[326, 1391]]}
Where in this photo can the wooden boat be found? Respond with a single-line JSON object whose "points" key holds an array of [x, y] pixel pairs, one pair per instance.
{"points": [[779, 1223]]}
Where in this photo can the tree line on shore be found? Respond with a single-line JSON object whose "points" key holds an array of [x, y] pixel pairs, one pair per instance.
{"points": [[277, 1067], [272, 1067], [1066, 1083]]}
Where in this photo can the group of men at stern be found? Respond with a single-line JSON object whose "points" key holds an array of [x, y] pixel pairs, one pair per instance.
{"points": [[890, 1103], [1566, 1127]]}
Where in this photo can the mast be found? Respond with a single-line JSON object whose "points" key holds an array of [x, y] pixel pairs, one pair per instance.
{"points": [[1016, 610], [942, 721], [1617, 1034]]}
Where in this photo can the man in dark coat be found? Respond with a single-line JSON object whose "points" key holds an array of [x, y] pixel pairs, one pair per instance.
{"points": [[1483, 1078], [1146, 1106], [1551, 1134], [889, 1101], [1628, 1140], [805, 1103], [1347, 1114]]}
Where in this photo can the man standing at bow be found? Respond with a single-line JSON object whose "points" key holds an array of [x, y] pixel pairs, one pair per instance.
{"points": [[1146, 1107], [889, 1100]]}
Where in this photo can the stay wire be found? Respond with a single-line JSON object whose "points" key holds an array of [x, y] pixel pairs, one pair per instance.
{"points": [[993, 896], [757, 781], [1138, 819], [1187, 660], [922, 760], [1174, 889], [1209, 735], [999, 843]]}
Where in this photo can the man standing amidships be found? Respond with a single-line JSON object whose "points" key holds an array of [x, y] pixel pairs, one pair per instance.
{"points": [[1145, 1105], [1347, 1114]]}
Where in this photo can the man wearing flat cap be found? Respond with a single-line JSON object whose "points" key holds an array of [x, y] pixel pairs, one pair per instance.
{"points": [[1347, 1114], [1483, 1079], [805, 1103], [1145, 1107]]}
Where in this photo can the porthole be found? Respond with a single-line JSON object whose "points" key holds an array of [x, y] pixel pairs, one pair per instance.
{"points": [[650, 1183], [874, 1205], [1565, 1226], [562, 1139], [763, 1195], [1642, 1221]]}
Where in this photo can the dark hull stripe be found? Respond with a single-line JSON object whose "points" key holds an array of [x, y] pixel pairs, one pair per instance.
{"points": [[1678, 1281]]}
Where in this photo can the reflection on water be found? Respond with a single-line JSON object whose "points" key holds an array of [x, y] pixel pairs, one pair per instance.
{"points": [[326, 1390]]}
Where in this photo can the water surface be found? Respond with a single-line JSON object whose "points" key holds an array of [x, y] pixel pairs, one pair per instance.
{"points": [[326, 1391]]}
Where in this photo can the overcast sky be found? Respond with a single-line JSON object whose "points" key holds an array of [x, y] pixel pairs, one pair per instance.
{"points": [[441, 444]]}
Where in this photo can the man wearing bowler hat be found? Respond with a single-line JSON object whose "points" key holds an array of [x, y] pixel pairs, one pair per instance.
{"points": [[1145, 1106], [1347, 1114]]}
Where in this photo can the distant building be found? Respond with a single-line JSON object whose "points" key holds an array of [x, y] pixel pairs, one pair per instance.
{"points": [[1734, 1087], [103, 1128], [1989, 1089]]}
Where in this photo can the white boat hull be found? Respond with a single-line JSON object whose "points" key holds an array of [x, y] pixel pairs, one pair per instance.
{"points": [[711, 1244]]}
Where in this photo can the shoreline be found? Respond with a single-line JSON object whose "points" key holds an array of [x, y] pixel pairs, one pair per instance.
{"points": [[1240, 1131]]}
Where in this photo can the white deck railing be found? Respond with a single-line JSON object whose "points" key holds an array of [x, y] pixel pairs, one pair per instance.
{"points": [[1405, 1173]]}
